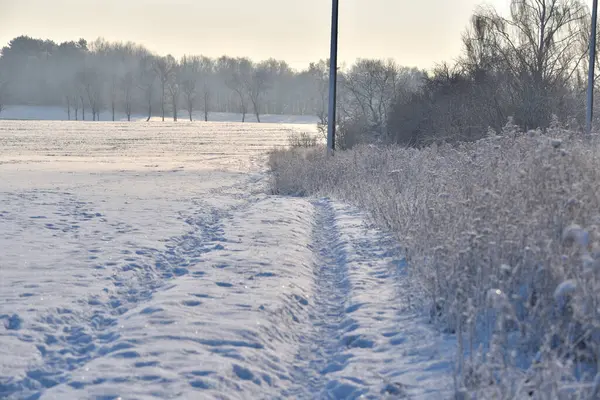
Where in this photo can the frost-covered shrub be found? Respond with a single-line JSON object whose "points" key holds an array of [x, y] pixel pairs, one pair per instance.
{"points": [[302, 140], [503, 237]]}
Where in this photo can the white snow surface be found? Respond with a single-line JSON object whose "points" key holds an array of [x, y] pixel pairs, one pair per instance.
{"points": [[142, 261], [53, 113]]}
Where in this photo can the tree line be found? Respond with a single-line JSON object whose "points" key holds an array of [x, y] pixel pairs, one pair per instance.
{"points": [[88, 79]]}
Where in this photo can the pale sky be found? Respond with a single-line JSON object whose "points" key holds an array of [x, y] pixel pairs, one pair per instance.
{"points": [[413, 32]]}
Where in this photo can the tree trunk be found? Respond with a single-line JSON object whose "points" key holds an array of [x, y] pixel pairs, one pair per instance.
{"points": [[190, 113], [68, 108], [82, 110], [205, 106], [149, 109], [162, 103], [113, 112], [256, 110]]}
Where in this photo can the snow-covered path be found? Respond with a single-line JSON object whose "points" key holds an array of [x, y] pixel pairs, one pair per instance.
{"points": [[192, 282]]}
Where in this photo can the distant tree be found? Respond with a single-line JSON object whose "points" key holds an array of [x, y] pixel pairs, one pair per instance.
{"points": [[164, 67], [539, 47], [127, 85], [188, 73], [318, 75], [130, 55], [27, 63], [372, 86], [146, 80], [174, 87], [70, 96], [82, 44], [66, 59], [113, 88], [282, 94], [74, 104], [205, 80], [81, 84], [68, 104], [206, 93], [257, 83], [93, 90], [238, 72]]}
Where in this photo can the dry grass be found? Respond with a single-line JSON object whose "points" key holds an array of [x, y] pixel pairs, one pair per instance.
{"points": [[503, 235]]}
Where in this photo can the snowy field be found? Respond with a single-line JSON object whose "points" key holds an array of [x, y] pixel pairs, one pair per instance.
{"points": [[146, 260], [47, 113]]}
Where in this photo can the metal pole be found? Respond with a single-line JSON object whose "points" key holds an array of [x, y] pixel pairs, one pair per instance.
{"points": [[332, 80], [592, 67]]}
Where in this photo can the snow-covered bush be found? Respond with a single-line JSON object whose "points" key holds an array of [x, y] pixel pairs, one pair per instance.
{"points": [[502, 235], [302, 140]]}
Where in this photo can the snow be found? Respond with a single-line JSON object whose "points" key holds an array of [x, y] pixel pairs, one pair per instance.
{"points": [[148, 261], [53, 113]]}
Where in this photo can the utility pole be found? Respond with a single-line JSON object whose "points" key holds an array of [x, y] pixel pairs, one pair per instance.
{"points": [[592, 67], [333, 80]]}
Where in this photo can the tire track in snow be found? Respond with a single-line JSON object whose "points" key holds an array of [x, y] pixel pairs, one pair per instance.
{"points": [[363, 340], [322, 350]]}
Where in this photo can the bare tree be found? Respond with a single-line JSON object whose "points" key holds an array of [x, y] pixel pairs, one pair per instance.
{"points": [[206, 87], [190, 69], [373, 86], [539, 46], [238, 72], [205, 100], [146, 80], [75, 105], [127, 84], [256, 84], [318, 76], [164, 69], [174, 87], [81, 93], [71, 99], [66, 88], [68, 104], [92, 85], [113, 89]]}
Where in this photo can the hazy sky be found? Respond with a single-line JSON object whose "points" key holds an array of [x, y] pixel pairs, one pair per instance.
{"points": [[414, 32]]}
